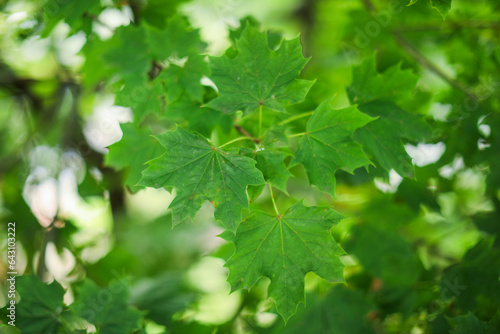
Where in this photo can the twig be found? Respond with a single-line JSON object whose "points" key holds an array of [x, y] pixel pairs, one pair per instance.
{"points": [[451, 26], [420, 58], [369, 5], [246, 133], [155, 70]]}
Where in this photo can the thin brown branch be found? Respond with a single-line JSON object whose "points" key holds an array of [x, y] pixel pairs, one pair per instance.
{"points": [[246, 133], [155, 70], [422, 60], [369, 5], [450, 26]]}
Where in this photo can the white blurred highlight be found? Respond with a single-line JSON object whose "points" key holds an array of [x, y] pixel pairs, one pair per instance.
{"points": [[17, 17], [68, 189], [102, 128], [34, 48], [216, 305], [425, 154], [449, 170], [42, 199], [68, 48], [110, 19], [391, 187], [59, 265]]}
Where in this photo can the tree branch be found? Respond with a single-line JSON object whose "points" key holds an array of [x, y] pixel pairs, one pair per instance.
{"points": [[246, 133], [422, 60], [450, 25]]}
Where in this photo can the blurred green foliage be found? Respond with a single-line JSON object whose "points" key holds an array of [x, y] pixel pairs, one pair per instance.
{"points": [[97, 251]]}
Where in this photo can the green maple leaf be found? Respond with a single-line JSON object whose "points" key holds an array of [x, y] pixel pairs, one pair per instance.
{"points": [[442, 6], [342, 311], [155, 12], [383, 137], [376, 95], [461, 280], [132, 52], [258, 76], [77, 14], [368, 85], [384, 254], [186, 78], [285, 248], [178, 40], [328, 145], [7, 329], [128, 51], [95, 69], [40, 307], [270, 163], [469, 323], [111, 315], [141, 95], [201, 172], [135, 148], [194, 117]]}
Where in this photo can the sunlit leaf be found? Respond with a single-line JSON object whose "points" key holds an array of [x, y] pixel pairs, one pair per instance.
{"points": [[201, 172], [284, 248], [259, 76]]}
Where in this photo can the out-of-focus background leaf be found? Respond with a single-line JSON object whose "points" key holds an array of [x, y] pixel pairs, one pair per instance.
{"points": [[423, 250]]}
